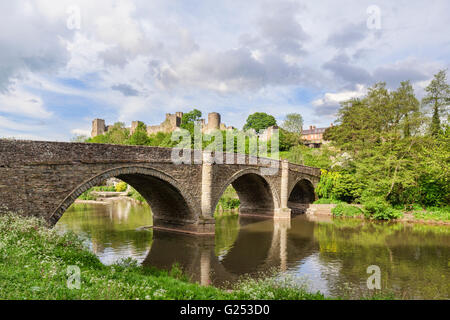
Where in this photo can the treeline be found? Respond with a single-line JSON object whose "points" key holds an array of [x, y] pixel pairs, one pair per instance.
{"points": [[389, 148]]}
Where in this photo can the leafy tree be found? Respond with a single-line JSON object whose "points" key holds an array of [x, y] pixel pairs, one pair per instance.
{"points": [[259, 121], [405, 108], [288, 139], [293, 123], [438, 98], [189, 119], [139, 136]]}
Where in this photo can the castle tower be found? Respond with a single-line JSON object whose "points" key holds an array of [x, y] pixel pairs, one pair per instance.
{"points": [[134, 125], [213, 121], [98, 127]]}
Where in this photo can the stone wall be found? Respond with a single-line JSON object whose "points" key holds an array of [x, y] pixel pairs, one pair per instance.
{"points": [[170, 124]]}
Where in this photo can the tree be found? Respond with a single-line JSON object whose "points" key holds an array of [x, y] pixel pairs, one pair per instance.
{"points": [[139, 136], [438, 98], [405, 108], [189, 119], [293, 123], [259, 121]]}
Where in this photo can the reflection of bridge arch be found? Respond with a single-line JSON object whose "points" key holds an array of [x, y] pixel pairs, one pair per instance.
{"points": [[255, 192], [160, 190]]}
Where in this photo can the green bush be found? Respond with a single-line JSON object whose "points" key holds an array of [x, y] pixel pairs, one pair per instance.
{"points": [[121, 186], [229, 203], [339, 186], [380, 209], [87, 195], [104, 188], [346, 210]]}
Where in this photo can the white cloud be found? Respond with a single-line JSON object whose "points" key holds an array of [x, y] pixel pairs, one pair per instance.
{"points": [[81, 132], [19, 102], [329, 103]]}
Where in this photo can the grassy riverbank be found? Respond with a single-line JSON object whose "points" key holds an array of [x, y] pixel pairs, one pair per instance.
{"points": [[34, 261], [380, 210]]}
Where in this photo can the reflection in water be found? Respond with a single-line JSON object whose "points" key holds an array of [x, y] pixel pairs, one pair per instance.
{"points": [[333, 254], [110, 229]]}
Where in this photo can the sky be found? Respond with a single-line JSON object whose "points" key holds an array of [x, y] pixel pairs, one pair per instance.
{"points": [[65, 63]]}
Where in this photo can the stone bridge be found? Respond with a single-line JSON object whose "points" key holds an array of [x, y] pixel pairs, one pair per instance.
{"points": [[43, 179]]}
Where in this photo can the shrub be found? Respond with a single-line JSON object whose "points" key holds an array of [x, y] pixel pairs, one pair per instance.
{"points": [[339, 186], [346, 210], [121, 186], [379, 209], [87, 195]]}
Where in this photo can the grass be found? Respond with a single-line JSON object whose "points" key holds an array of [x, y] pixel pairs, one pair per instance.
{"points": [[433, 213], [327, 201], [34, 263]]}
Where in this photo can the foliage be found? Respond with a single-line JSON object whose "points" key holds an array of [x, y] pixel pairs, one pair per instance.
{"points": [[293, 123], [338, 186], [300, 154], [346, 210], [103, 188], [433, 213], [139, 136], [87, 195], [189, 120], [287, 139], [121, 186], [327, 201], [386, 150], [259, 121], [438, 99], [116, 134], [379, 209], [228, 202]]}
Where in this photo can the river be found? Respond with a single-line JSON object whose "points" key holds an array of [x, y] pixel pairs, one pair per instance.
{"points": [[330, 255]]}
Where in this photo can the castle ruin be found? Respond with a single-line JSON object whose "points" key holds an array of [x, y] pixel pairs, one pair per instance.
{"points": [[170, 124]]}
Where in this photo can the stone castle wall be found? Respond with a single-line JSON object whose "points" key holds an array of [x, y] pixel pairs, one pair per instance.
{"points": [[170, 124]]}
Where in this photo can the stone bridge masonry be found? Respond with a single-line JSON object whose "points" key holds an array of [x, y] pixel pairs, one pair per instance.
{"points": [[43, 179]]}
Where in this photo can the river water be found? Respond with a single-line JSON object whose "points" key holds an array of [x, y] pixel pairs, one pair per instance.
{"points": [[330, 255]]}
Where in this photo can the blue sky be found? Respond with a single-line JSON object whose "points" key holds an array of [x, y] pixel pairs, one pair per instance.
{"points": [[65, 63]]}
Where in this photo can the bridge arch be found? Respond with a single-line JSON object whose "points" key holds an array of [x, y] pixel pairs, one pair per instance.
{"points": [[255, 192], [160, 190], [301, 195]]}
